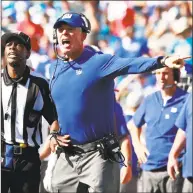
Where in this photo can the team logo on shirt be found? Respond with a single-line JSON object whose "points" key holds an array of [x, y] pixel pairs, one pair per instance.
{"points": [[174, 110], [167, 116], [79, 72]]}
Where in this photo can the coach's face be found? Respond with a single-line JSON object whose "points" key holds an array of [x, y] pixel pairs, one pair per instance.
{"points": [[70, 39]]}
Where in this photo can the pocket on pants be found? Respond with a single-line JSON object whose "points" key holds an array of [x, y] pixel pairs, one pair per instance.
{"points": [[178, 183]]}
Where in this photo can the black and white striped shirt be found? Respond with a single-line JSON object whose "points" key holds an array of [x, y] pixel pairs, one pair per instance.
{"points": [[32, 101]]}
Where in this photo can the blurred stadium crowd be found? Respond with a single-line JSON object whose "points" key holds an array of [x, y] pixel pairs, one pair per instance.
{"points": [[124, 28]]}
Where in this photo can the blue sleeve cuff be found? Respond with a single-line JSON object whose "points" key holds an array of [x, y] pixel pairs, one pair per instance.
{"points": [[159, 63]]}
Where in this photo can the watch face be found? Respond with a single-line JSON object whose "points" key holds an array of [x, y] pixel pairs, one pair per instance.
{"points": [[129, 163]]}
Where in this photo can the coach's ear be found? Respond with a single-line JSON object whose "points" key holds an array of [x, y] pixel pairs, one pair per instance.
{"points": [[84, 35]]}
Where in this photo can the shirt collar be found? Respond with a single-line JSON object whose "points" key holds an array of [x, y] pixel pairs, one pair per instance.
{"points": [[23, 80]]}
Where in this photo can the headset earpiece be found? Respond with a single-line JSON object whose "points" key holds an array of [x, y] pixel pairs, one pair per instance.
{"points": [[55, 38], [87, 23], [176, 75]]}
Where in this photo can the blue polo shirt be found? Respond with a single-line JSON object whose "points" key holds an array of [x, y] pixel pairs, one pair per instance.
{"points": [[83, 92], [160, 131], [184, 121]]}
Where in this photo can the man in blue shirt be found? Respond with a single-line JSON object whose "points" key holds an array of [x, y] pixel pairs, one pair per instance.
{"points": [[183, 140], [82, 87], [159, 111]]}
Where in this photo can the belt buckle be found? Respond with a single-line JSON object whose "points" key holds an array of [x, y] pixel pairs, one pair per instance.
{"points": [[17, 150]]}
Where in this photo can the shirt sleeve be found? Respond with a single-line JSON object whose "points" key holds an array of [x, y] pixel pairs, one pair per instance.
{"points": [[122, 130], [139, 115], [49, 110], [117, 66], [181, 121]]}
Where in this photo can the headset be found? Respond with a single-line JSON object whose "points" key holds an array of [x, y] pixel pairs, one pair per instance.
{"points": [[86, 29], [176, 75]]}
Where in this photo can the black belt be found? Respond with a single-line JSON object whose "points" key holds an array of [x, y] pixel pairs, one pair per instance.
{"points": [[22, 148], [162, 169], [18, 150], [75, 149], [86, 147]]}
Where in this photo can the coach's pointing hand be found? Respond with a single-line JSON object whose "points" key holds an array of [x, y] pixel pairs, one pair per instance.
{"points": [[174, 61]]}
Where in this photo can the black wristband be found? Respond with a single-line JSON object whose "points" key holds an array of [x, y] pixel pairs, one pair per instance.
{"points": [[129, 163], [54, 134]]}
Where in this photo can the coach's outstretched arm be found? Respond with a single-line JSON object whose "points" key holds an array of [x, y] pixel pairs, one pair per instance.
{"points": [[116, 66]]}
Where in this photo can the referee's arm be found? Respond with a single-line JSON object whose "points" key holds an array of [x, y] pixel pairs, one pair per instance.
{"points": [[49, 110]]}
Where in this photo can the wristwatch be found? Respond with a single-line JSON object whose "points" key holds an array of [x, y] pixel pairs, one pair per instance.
{"points": [[129, 163], [54, 134]]}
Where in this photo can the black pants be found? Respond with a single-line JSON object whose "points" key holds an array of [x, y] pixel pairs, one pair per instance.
{"points": [[25, 176]]}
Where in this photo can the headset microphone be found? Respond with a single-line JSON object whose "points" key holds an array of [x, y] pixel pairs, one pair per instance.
{"points": [[169, 86], [59, 57], [55, 43], [55, 39]]}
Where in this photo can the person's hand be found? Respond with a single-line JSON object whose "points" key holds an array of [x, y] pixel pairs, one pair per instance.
{"points": [[49, 172], [125, 174], [173, 167], [61, 140], [141, 152], [175, 61]]}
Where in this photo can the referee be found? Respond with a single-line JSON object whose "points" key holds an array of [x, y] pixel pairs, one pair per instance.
{"points": [[25, 98]]}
